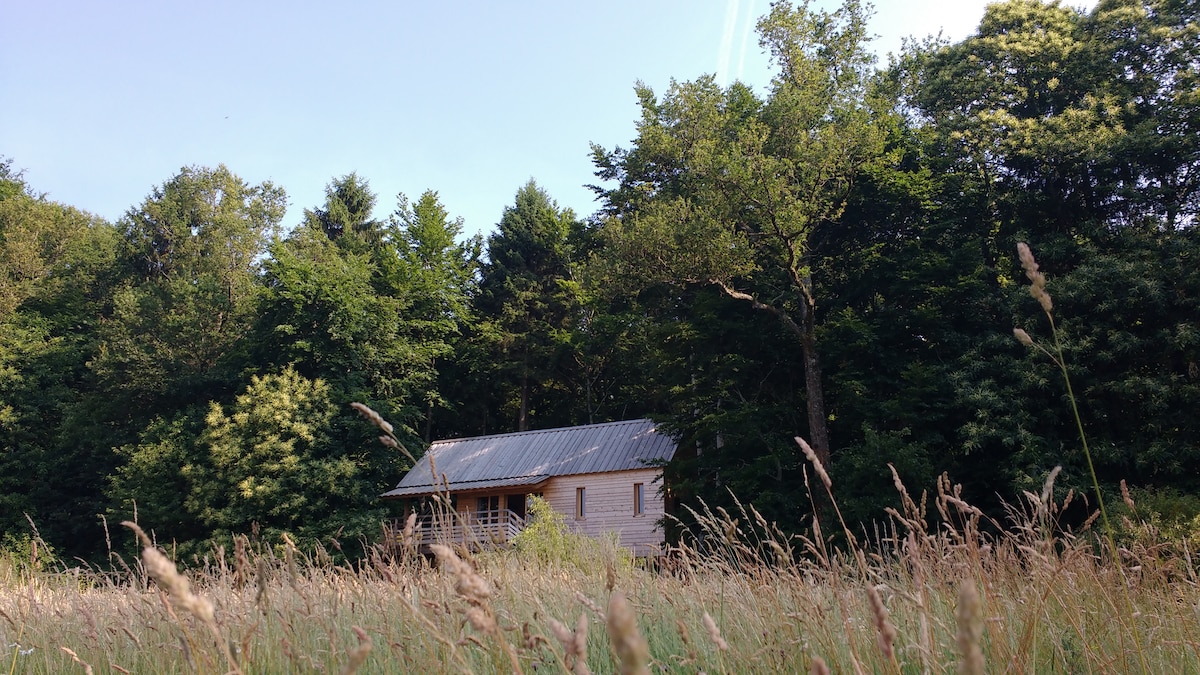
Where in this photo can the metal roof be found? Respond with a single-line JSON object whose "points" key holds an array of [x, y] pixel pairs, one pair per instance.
{"points": [[530, 457], [424, 488]]}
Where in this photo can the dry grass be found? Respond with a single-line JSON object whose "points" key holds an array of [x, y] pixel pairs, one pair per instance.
{"points": [[930, 592]]}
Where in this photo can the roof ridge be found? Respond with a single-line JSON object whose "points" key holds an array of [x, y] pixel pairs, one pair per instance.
{"points": [[532, 432]]}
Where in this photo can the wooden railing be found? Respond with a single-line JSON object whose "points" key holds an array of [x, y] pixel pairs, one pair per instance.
{"points": [[475, 529]]}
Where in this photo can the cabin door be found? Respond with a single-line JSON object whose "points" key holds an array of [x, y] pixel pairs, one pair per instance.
{"points": [[516, 504]]}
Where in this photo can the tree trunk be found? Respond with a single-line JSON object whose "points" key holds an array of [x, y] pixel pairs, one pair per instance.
{"points": [[429, 422], [818, 421], [523, 412], [806, 331]]}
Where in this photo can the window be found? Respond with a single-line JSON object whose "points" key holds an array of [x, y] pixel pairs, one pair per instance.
{"points": [[580, 503], [639, 499], [487, 509]]}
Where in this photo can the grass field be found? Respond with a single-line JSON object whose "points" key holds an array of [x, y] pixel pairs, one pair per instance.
{"points": [[959, 596]]}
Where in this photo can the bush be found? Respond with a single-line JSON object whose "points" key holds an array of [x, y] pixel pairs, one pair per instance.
{"points": [[24, 555], [1164, 515], [549, 540]]}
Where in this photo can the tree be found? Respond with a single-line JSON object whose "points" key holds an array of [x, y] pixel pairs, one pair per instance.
{"points": [[339, 309], [270, 460], [349, 205], [441, 269], [724, 189], [528, 301], [1076, 133], [151, 485], [370, 317], [56, 265], [440, 274], [192, 252]]}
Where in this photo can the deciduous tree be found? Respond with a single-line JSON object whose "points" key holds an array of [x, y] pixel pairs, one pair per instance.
{"points": [[726, 189]]}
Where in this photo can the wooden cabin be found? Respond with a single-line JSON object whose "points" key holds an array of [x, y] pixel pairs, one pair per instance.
{"points": [[601, 477]]}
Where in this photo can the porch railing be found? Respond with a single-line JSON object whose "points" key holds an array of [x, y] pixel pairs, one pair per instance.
{"points": [[496, 527]]}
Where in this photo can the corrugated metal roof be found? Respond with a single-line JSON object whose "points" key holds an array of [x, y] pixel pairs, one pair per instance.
{"points": [[484, 460]]}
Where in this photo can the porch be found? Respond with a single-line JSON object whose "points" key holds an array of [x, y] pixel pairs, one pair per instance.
{"points": [[473, 529]]}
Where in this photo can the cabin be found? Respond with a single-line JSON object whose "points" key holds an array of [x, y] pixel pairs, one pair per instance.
{"points": [[601, 477]]}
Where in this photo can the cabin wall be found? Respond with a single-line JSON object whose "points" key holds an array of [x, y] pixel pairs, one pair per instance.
{"points": [[609, 506]]}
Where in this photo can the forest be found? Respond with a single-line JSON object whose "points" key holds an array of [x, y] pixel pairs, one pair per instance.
{"points": [[833, 258]]}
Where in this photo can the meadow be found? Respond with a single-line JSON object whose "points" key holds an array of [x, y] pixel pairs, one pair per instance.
{"points": [[935, 587]]}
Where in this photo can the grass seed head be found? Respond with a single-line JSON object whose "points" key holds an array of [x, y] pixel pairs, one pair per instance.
{"points": [[1125, 497], [574, 644], [482, 621], [563, 634], [629, 644], [1048, 487], [358, 655], [1038, 287], [587, 602], [883, 624], [177, 585], [970, 630], [467, 583], [714, 633], [812, 458], [87, 667], [372, 417]]}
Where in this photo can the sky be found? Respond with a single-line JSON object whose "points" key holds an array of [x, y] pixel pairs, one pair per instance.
{"points": [[102, 101]]}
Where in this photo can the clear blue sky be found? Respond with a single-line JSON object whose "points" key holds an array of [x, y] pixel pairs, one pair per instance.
{"points": [[102, 101]]}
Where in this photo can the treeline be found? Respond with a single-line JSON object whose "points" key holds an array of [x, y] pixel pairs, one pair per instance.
{"points": [[832, 258]]}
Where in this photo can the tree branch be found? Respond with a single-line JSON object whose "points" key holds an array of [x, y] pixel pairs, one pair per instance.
{"points": [[757, 304]]}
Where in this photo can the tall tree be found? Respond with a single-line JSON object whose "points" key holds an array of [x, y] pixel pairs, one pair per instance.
{"points": [[528, 300], [193, 252], [349, 210], [1077, 133], [270, 461], [56, 266], [439, 270], [173, 335], [368, 315], [725, 189]]}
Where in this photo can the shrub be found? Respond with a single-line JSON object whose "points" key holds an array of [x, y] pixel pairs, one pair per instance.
{"points": [[549, 540]]}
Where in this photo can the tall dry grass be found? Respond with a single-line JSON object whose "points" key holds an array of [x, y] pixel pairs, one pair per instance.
{"points": [[935, 588]]}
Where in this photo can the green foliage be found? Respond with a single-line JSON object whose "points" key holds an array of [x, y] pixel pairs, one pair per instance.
{"points": [[1162, 515], [151, 486], [56, 265], [723, 188], [24, 556], [322, 313], [548, 540], [191, 256], [831, 253], [438, 270], [349, 204], [439, 274], [370, 315], [12, 181], [527, 305], [269, 460]]}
